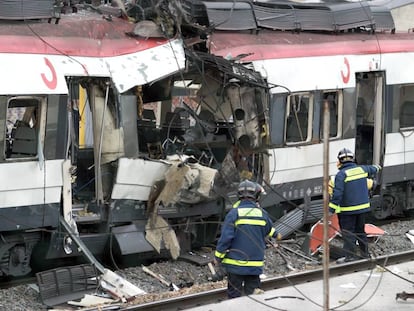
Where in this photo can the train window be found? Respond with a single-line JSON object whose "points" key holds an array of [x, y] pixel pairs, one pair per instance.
{"points": [[403, 108], [299, 114], [407, 114], [22, 128], [334, 99]]}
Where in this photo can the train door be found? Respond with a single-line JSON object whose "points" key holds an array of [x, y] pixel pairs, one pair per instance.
{"points": [[369, 142]]}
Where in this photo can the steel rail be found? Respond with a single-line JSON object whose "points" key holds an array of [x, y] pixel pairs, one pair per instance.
{"points": [[217, 295]]}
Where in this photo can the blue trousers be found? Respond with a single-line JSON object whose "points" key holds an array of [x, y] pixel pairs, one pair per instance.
{"points": [[353, 230], [237, 284]]}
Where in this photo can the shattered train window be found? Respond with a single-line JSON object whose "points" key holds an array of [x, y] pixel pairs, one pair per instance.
{"points": [[334, 99], [299, 118], [22, 127]]}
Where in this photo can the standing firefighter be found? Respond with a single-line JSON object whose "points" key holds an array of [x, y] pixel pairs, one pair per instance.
{"points": [[350, 200], [241, 246]]}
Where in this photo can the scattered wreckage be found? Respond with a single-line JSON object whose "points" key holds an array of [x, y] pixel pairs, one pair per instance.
{"points": [[116, 145], [125, 128]]}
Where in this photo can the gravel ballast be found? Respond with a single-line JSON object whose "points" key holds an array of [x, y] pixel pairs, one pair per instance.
{"points": [[286, 257]]}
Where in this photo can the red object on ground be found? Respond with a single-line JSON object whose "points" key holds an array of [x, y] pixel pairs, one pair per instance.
{"points": [[373, 231], [316, 232]]}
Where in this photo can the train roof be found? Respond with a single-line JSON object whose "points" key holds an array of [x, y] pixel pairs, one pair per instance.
{"points": [[272, 44], [86, 33], [271, 29], [37, 54], [290, 15]]}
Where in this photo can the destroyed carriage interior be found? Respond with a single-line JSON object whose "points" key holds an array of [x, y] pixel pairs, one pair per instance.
{"points": [[213, 118]]}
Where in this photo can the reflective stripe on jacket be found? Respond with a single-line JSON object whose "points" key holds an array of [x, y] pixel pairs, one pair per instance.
{"points": [[350, 193], [331, 184], [242, 242]]}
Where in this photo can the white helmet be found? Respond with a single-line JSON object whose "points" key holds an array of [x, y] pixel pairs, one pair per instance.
{"points": [[345, 155]]}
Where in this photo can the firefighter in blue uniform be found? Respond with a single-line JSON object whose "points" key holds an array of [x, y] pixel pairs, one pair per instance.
{"points": [[350, 200], [240, 248]]}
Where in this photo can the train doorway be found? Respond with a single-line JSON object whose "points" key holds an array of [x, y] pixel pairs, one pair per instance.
{"points": [[369, 141]]}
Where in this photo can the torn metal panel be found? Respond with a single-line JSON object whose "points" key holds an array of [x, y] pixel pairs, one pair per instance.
{"points": [[289, 15], [46, 73], [275, 15], [82, 45], [159, 233], [147, 66], [135, 177], [118, 286], [187, 183], [236, 15]]}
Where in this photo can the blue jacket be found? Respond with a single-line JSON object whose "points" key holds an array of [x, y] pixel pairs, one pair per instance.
{"points": [[241, 245], [350, 193]]}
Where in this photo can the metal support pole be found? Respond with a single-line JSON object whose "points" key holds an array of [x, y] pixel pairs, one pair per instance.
{"points": [[85, 250], [326, 122]]}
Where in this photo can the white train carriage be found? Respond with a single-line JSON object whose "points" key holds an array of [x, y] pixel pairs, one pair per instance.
{"points": [[72, 92], [351, 56]]}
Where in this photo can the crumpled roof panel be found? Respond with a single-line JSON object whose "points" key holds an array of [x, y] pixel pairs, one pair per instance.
{"points": [[26, 9], [288, 15], [231, 15]]}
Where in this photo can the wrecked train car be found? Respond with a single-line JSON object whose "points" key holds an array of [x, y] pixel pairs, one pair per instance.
{"points": [[349, 55], [69, 115], [124, 141]]}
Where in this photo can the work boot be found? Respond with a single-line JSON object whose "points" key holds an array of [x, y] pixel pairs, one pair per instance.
{"points": [[364, 251], [258, 291], [365, 256]]}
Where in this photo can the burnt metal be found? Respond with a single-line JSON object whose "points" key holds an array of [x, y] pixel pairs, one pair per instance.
{"points": [[231, 69]]}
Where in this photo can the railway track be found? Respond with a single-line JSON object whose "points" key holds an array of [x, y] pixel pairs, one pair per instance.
{"points": [[4, 284], [217, 295]]}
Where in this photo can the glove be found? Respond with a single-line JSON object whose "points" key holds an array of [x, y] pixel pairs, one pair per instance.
{"points": [[378, 167], [278, 237]]}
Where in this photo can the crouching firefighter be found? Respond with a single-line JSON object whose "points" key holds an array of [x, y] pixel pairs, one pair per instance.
{"points": [[240, 248]]}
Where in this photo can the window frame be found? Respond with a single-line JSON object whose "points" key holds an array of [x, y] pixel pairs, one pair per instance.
{"points": [[401, 102], [40, 126], [309, 118], [340, 102]]}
